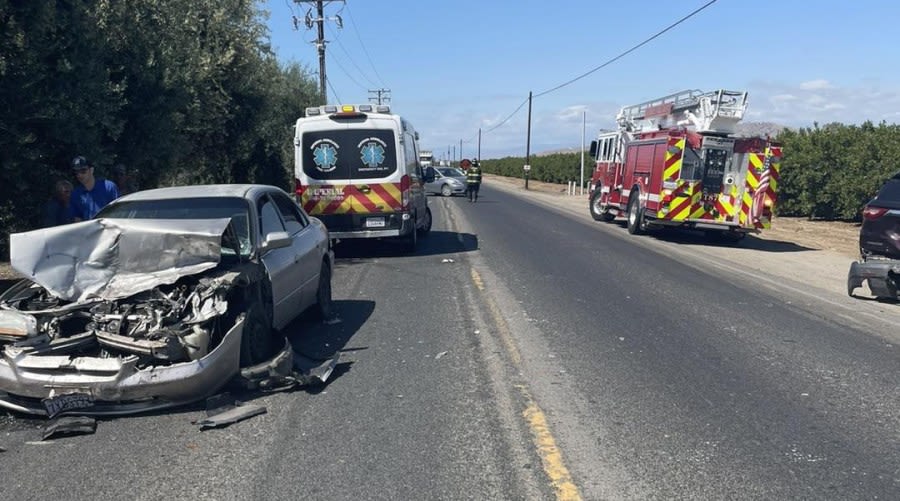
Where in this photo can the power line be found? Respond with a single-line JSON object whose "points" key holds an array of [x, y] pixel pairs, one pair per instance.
{"points": [[636, 47], [337, 39], [361, 86], [366, 52], [607, 63], [508, 117], [328, 81]]}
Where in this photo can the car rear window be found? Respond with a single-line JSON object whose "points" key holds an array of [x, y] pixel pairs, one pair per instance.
{"points": [[349, 154], [890, 192]]}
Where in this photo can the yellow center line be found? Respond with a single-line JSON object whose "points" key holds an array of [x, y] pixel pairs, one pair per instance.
{"points": [[551, 457]]}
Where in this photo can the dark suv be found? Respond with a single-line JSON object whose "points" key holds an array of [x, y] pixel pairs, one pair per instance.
{"points": [[879, 243]]}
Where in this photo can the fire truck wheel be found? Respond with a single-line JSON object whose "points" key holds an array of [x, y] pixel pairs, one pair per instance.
{"points": [[598, 212], [636, 225]]}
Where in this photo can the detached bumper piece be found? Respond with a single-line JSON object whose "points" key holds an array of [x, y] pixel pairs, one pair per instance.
{"points": [[286, 370], [69, 426], [881, 275], [222, 410]]}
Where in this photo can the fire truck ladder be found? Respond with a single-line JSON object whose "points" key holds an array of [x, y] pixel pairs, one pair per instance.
{"points": [[712, 112]]}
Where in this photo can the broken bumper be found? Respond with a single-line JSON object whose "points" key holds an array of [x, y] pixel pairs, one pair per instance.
{"points": [[114, 386], [881, 276]]}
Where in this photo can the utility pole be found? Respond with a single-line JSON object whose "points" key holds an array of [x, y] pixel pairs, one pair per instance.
{"points": [[583, 123], [381, 96], [320, 41], [479, 144], [528, 144], [460, 149]]}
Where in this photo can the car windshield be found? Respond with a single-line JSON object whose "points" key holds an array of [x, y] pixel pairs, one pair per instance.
{"points": [[234, 208], [451, 172]]}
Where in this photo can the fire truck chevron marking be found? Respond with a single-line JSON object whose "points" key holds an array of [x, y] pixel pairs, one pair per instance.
{"points": [[674, 154]]}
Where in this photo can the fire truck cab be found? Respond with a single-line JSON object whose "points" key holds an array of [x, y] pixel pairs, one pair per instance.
{"points": [[676, 161]]}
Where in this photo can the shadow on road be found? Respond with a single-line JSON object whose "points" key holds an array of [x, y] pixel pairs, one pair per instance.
{"points": [[435, 243], [717, 239]]}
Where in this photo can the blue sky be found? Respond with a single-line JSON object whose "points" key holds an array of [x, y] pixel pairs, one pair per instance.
{"points": [[453, 67]]}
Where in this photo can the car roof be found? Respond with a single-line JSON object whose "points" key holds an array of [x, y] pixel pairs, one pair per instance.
{"points": [[199, 191]]}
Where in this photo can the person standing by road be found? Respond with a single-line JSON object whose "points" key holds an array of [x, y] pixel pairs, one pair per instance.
{"points": [[124, 180], [91, 194], [56, 210], [473, 180]]}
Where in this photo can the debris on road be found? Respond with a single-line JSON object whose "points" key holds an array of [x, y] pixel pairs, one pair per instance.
{"points": [[439, 355], [70, 425], [290, 369], [222, 411]]}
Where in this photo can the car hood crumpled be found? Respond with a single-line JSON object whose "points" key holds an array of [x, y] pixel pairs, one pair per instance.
{"points": [[116, 258]]}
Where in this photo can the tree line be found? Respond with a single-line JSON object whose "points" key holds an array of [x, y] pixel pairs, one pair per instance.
{"points": [[180, 91], [828, 172]]}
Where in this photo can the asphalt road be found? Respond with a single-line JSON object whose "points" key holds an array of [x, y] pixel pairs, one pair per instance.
{"points": [[523, 353]]}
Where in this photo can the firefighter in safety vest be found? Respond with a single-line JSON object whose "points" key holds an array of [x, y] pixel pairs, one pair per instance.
{"points": [[473, 181]]}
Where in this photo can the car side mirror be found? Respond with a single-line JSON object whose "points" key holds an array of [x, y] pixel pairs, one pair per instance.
{"points": [[275, 240], [429, 174]]}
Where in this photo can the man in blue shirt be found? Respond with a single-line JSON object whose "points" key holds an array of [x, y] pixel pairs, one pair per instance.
{"points": [[91, 194]]}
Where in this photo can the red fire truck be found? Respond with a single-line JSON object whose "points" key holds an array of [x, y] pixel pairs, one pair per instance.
{"points": [[676, 161]]}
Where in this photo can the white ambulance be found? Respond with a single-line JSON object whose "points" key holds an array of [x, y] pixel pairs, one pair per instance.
{"points": [[356, 168]]}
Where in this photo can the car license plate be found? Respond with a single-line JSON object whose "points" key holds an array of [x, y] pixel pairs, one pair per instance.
{"points": [[375, 222], [67, 402]]}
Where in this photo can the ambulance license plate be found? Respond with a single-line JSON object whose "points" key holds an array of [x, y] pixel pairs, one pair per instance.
{"points": [[375, 222]]}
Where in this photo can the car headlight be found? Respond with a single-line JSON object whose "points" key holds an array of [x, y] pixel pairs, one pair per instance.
{"points": [[18, 325], [456, 182]]}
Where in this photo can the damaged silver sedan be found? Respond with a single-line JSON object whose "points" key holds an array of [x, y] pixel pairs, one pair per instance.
{"points": [[159, 301]]}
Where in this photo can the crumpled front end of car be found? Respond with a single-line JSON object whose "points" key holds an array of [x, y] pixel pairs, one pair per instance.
{"points": [[164, 347], [152, 333]]}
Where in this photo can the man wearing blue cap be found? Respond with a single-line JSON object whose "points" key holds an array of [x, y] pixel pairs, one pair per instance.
{"points": [[91, 194]]}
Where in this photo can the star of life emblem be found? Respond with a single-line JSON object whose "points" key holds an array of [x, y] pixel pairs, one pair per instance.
{"points": [[371, 152], [325, 154]]}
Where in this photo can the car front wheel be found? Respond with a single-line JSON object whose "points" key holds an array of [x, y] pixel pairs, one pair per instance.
{"points": [[257, 338], [446, 190]]}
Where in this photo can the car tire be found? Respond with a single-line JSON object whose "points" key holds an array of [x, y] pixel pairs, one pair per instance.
{"points": [[598, 212], [636, 225], [257, 337], [426, 224], [446, 190], [410, 241], [324, 303]]}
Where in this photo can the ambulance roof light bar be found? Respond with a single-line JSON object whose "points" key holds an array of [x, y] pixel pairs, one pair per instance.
{"points": [[313, 111]]}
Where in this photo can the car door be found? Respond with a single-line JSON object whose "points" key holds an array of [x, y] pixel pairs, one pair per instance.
{"points": [[307, 247], [281, 265]]}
